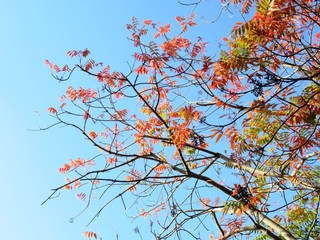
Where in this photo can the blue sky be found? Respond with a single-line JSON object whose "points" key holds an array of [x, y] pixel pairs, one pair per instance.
{"points": [[35, 30]]}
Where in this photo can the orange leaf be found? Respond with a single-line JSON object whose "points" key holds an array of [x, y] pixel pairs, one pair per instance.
{"points": [[219, 136], [147, 22], [225, 39], [215, 133], [112, 160], [179, 19], [160, 168], [65, 168], [52, 110], [92, 135], [67, 187], [77, 184], [238, 212], [250, 115], [142, 70], [89, 235]]}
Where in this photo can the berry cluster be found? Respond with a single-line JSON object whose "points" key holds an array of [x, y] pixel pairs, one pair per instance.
{"points": [[242, 193], [196, 139]]}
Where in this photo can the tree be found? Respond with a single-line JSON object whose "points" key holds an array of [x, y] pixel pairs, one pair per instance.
{"points": [[199, 140]]}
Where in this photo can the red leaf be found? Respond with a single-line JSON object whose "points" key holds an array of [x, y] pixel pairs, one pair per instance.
{"points": [[81, 196], [86, 115], [72, 53], [66, 68], [85, 53], [52, 65], [55, 68]]}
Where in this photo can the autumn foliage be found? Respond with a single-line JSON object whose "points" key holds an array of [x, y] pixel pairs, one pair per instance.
{"points": [[218, 146]]}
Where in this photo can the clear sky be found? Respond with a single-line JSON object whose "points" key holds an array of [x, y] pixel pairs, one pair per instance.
{"points": [[35, 30]]}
